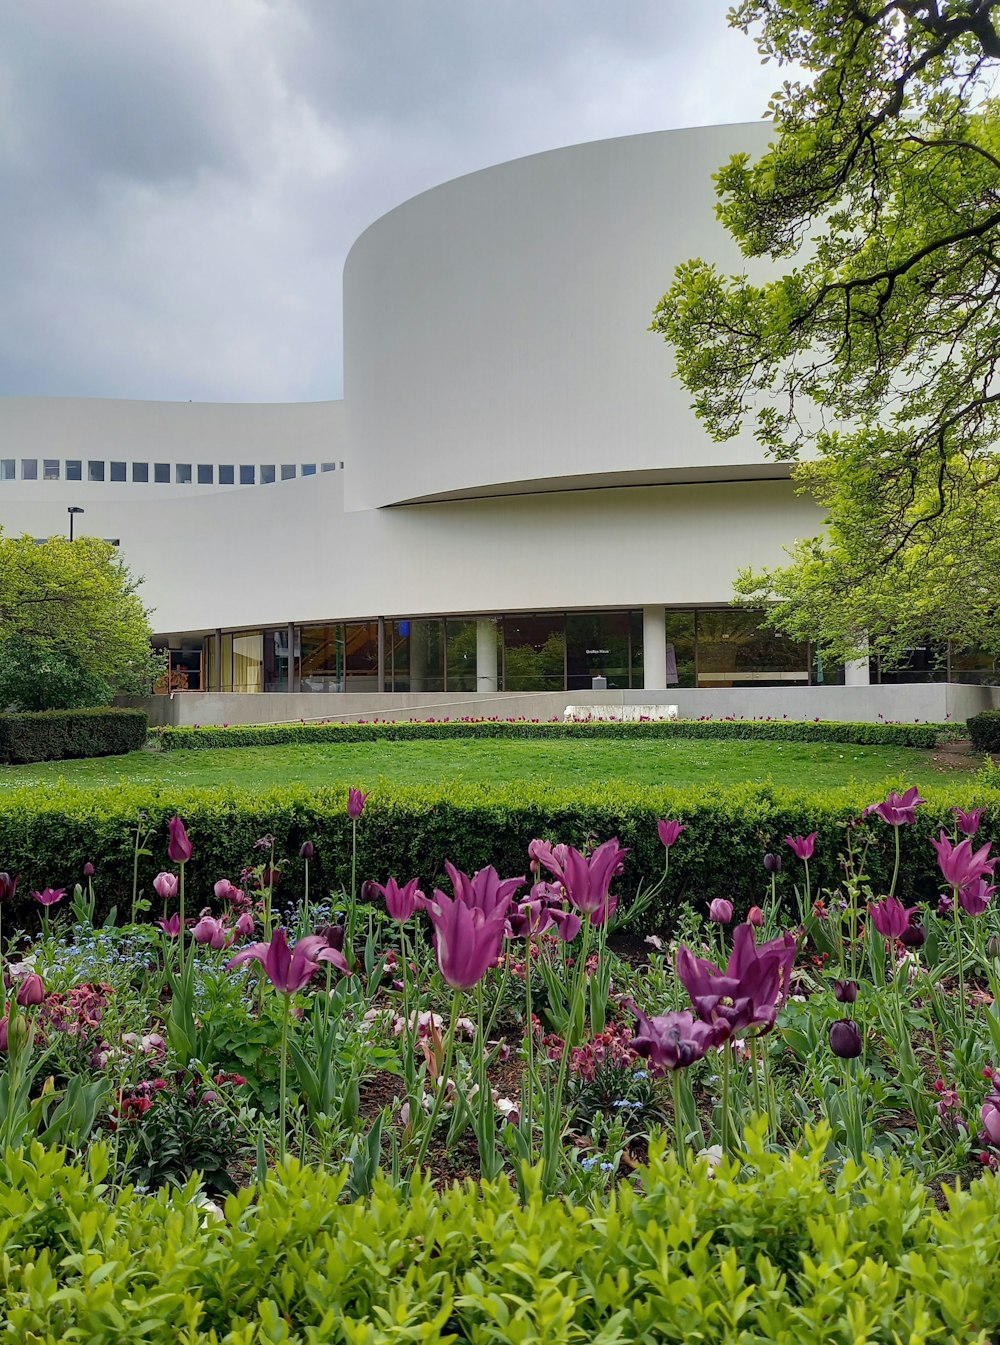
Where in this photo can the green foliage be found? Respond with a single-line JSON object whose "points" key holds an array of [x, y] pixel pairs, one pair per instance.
{"points": [[770, 730], [776, 1250], [877, 346], [185, 1130], [73, 630], [54, 735], [984, 730], [48, 833]]}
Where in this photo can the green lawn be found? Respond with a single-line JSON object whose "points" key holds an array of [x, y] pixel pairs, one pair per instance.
{"points": [[679, 763]]}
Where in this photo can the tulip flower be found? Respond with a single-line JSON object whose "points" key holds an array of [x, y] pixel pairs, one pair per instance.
{"points": [[845, 992], [890, 917], [49, 895], [355, 803], [223, 889], [669, 831], [898, 809], [959, 864], [178, 847], [307, 850], [968, 822], [755, 917], [88, 870], [914, 935], [720, 911], [8, 886], [974, 898], [401, 902], [165, 885], [845, 1039], [990, 1115], [551, 857], [467, 939], [674, 1040], [588, 880], [245, 925], [31, 991], [772, 864], [750, 990], [802, 846], [485, 890], [171, 927], [289, 969], [212, 932]]}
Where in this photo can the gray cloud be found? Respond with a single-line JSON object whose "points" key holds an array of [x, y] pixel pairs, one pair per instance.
{"points": [[180, 183]]}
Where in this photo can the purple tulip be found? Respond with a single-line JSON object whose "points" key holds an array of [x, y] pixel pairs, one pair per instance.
{"points": [[845, 1039], [990, 1115], [587, 881], [49, 895], [551, 857], [485, 890], [165, 885], [171, 927], [212, 932], [467, 939], [223, 889], [752, 988], [88, 870], [669, 831], [914, 935], [959, 864], [400, 902], [889, 916], [720, 911], [945, 905], [802, 846], [968, 822], [845, 992], [898, 809], [755, 917], [355, 804], [674, 1040], [290, 969], [974, 898], [307, 850], [245, 925], [772, 864], [8, 886], [178, 847], [31, 991]]}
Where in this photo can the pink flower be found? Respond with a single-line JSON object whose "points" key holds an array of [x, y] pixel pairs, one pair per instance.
{"points": [[968, 822], [171, 927], [485, 890], [245, 925], [212, 932], [178, 847], [802, 846], [720, 911], [165, 885], [355, 803], [890, 917], [587, 881], [752, 988], [898, 809], [223, 889], [755, 917], [974, 898], [959, 864], [49, 895], [669, 831], [31, 990], [290, 969], [400, 902], [467, 938]]}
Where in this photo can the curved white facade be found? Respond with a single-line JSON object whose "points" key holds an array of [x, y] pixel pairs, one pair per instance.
{"points": [[511, 441]]}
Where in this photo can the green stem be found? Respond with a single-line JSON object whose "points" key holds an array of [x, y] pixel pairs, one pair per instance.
{"points": [[354, 898], [442, 1083], [895, 871], [283, 1077], [180, 932], [135, 873], [679, 1146], [528, 1092], [726, 1056], [958, 948], [808, 888], [305, 901]]}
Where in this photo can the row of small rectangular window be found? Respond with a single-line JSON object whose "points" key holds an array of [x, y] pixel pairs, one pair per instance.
{"points": [[182, 471]]}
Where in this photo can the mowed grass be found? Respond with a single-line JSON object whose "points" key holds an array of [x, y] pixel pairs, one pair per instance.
{"points": [[680, 763]]}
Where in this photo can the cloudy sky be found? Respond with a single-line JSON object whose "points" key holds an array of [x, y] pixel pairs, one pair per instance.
{"points": [[181, 180]]}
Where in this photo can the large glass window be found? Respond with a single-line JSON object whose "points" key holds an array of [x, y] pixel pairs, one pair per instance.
{"points": [[971, 665], [597, 645], [680, 649], [276, 669], [463, 643], [227, 474], [50, 469], [734, 649], [140, 472], [415, 655], [242, 661], [361, 656], [322, 658], [118, 471], [534, 653], [923, 663], [29, 469]]}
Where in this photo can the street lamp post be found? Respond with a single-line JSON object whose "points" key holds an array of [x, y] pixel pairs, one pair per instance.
{"points": [[71, 510]]}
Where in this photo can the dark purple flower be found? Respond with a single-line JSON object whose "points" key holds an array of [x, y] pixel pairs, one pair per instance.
{"points": [[945, 905], [968, 822], [802, 846], [751, 989], [467, 938], [898, 809], [772, 864], [669, 831], [307, 850], [49, 895], [889, 916], [88, 870], [959, 864], [178, 847], [845, 1039], [290, 969], [720, 911], [914, 935], [31, 991], [674, 1040], [845, 992], [355, 804], [8, 886], [400, 902]]}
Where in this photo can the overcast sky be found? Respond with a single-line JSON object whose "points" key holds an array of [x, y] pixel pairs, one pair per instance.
{"points": [[181, 180]]}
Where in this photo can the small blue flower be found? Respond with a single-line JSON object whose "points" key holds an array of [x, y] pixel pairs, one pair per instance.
{"points": [[588, 1164], [607, 1167]]}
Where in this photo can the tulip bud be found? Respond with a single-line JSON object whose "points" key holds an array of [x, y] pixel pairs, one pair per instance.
{"points": [[845, 992], [307, 850], [720, 911], [370, 890], [179, 847], [165, 885], [88, 870], [993, 947], [13, 1032], [31, 991], [913, 936], [8, 886], [772, 864], [845, 1039], [755, 917], [222, 889], [355, 803]]}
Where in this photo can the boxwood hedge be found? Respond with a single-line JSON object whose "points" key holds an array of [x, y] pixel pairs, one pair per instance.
{"points": [[47, 834], [984, 730], [52, 735], [786, 730]]}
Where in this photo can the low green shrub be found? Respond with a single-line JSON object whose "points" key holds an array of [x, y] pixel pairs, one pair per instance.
{"points": [[47, 834], [52, 735], [984, 730], [777, 1250], [784, 730]]}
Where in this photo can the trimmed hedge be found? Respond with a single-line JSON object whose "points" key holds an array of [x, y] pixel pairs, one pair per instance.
{"points": [[47, 834], [785, 730], [984, 730], [775, 1251], [53, 735]]}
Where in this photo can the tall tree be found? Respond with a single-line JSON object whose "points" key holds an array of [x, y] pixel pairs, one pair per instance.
{"points": [[73, 630], [877, 347]]}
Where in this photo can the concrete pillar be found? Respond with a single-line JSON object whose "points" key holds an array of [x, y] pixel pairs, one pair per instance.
{"points": [[654, 649], [857, 672], [217, 661], [293, 679], [418, 655], [486, 656]]}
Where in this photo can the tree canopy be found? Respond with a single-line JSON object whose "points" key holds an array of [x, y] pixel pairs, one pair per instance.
{"points": [[875, 347], [73, 630]]}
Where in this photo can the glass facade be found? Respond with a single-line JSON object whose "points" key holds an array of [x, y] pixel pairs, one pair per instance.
{"points": [[321, 658], [733, 649], [598, 646], [415, 655], [534, 653]]}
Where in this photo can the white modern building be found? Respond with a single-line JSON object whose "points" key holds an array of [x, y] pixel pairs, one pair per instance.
{"points": [[513, 498]]}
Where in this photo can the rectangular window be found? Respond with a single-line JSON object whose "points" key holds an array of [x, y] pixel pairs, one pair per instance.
{"points": [[323, 658], [206, 474], [734, 649], [247, 476], [140, 472], [227, 474], [597, 646], [266, 475], [534, 653], [288, 471], [50, 469], [95, 471], [119, 472], [6, 469], [29, 469], [74, 469], [308, 469], [161, 473], [329, 467], [182, 473]]}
